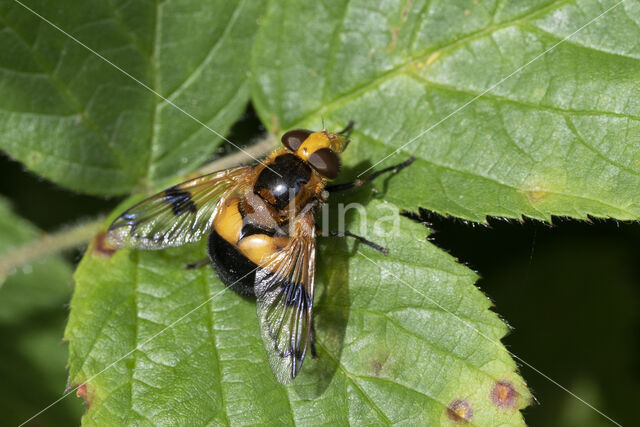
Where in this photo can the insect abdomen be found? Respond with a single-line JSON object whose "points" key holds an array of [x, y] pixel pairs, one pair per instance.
{"points": [[236, 247], [233, 268]]}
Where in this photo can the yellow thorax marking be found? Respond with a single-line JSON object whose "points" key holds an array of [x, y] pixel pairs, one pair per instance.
{"points": [[318, 140]]}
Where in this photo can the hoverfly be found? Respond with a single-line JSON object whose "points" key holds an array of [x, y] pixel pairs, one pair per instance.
{"points": [[261, 233]]}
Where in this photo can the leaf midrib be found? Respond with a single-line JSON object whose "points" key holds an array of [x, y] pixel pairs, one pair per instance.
{"points": [[198, 129], [133, 37], [159, 103], [227, 29], [214, 343], [564, 112], [154, 79], [332, 54], [348, 375], [629, 214], [517, 102], [431, 343], [384, 76], [136, 335], [351, 377]]}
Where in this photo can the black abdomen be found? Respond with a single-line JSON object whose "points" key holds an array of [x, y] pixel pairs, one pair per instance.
{"points": [[234, 269]]}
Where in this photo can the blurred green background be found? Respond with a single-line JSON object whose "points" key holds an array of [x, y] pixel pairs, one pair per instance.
{"points": [[570, 291]]}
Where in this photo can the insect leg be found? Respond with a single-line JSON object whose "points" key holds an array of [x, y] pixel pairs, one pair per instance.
{"points": [[198, 264], [347, 128], [360, 239], [312, 343], [359, 182]]}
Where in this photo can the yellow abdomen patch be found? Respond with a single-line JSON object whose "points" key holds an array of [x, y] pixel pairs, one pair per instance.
{"points": [[260, 247], [256, 247], [228, 222]]}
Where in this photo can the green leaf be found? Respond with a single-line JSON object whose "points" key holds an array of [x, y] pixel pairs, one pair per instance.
{"points": [[77, 120], [32, 317], [400, 340], [408, 337], [559, 137], [30, 288]]}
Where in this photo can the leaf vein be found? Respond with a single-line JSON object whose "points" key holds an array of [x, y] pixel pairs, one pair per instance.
{"points": [[350, 377], [136, 331], [384, 76], [201, 65], [70, 99], [334, 51], [513, 187], [214, 344]]}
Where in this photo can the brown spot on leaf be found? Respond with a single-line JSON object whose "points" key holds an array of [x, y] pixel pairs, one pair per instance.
{"points": [[378, 361], [405, 10], [376, 366], [101, 246], [35, 158], [394, 40], [535, 194], [460, 411], [83, 392], [504, 395], [543, 182]]}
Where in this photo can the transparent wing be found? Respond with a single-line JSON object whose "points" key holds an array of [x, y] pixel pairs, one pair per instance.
{"points": [[284, 293], [177, 215]]}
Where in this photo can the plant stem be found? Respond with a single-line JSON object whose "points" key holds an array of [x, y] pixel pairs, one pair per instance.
{"points": [[258, 150], [48, 244]]}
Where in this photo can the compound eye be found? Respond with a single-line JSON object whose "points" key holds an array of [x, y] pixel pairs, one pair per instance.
{"points": [[294, 138], [326, 162]]}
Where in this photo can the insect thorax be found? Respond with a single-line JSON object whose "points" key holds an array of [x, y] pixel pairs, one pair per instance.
{"points": [[282, 181]]}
